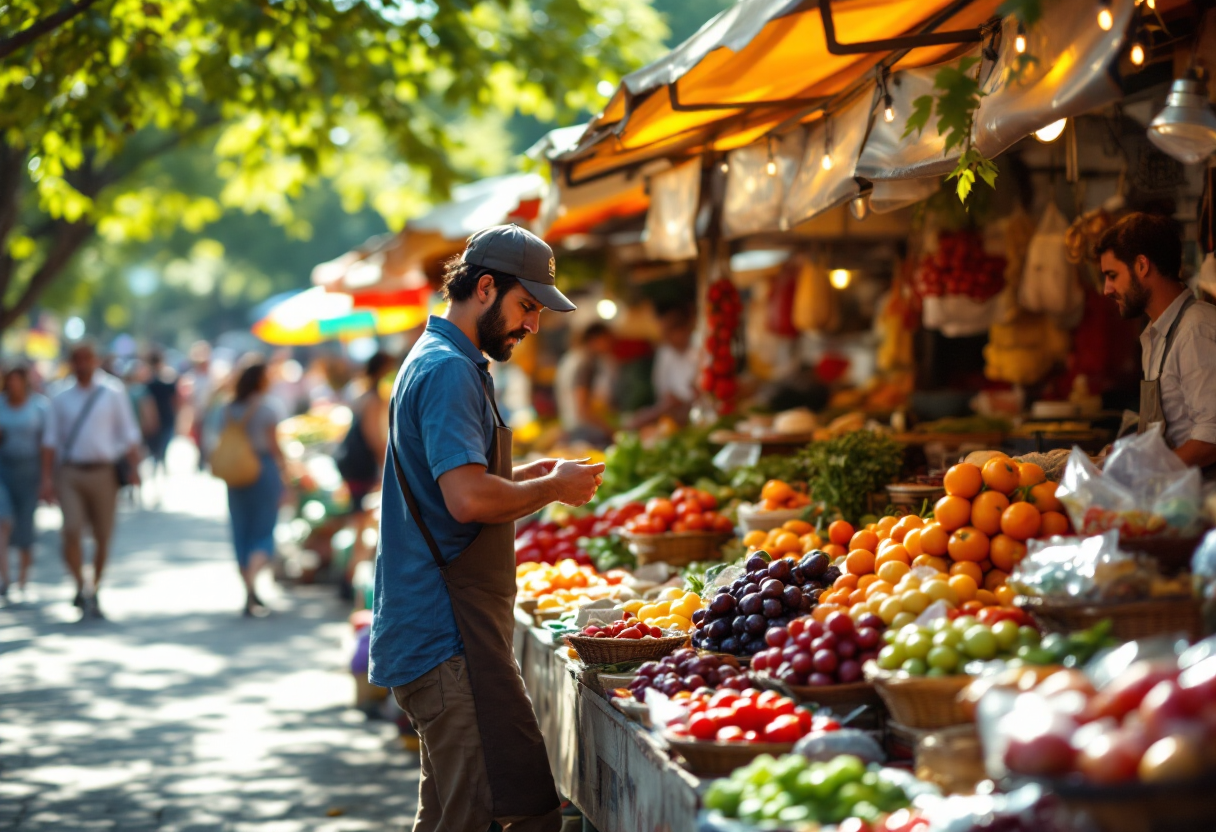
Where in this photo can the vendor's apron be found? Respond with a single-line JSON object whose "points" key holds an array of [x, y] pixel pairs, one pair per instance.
{"points": [[481, 583], [1151, 410]]}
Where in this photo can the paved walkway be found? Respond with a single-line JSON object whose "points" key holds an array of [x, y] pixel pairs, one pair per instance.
{"points": [[176, 713]]}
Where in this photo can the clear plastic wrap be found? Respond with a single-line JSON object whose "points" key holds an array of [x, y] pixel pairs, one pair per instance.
{"points": [[1143, 489], [1067, 566]]}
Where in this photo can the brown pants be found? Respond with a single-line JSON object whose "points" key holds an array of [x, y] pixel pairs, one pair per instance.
{"points": [[88, 496], [454, 790]]}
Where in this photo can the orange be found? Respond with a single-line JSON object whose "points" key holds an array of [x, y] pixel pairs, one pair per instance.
{"points": [[1021, 521], [834, 550], [840, 532], [846, 581], [822, 611], [885, 524], [1053, 523], [798, 527], [893, 553], [785, 543], [971, 570], [986, 511], [969, 543], [893, 570], [1030, 474], [1004, 595], [755, 539], [986, 563], [987, 598], [994, 579], [878, 588], [912, 542], [971, 607], [1001, 474], [963, 480], [964, 587], [951, 513], [1004, 552], [934, 539], [865, 580], [859, 562], [864, 539], [935, 563], [777, 491], [857, 596], [810, 542], [1043, 497], [905, 526]]}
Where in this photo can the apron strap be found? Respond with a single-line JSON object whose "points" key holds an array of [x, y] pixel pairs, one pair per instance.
{"points": [[1169, 335], [410, 501]]}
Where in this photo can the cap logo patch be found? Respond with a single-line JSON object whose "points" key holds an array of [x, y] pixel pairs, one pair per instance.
{"points": [[552, 267]]}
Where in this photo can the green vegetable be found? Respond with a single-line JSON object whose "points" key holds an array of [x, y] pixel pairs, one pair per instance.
{"points": [[845, 471], [608, 552], [684, 456]]}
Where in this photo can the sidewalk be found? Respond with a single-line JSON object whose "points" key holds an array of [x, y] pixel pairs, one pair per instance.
{"points": [[176, 713]]}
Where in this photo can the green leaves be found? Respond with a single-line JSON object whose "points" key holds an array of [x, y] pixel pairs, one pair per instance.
{"points": [[922, 108], [1026, 12], [970, 165]]}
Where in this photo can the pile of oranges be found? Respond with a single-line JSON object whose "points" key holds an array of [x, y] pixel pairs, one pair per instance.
{"points": [[781, 496], [977, 535], [566, 584], [793, 537]]}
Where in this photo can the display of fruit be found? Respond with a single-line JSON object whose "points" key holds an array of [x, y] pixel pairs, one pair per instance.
{"points": [[687, 510], [777, 495], [831, 652], [550, 542], [960, 266], [568, 585], [793, 537], [945, 646], [789, 791], [685, 672], [718, 374], [770, 593], [747, 716], [674, 609], [1155, 722], [627, 627]]}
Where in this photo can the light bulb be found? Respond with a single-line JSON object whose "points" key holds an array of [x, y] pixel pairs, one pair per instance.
{"points": [[1137, 54], [827, 161], [1106, 20], [606, 309], [771, 168], [1019, 42], [725, 167], [1152, 4], [840, 278], [888, 115], [1051, 132]]}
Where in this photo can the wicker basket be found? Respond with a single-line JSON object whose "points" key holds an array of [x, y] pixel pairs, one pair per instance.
{"points": [[710, 758], [920, 702], [1129, 619], [615, 650], [952, 759], [1173, 554], [1140, 807], [840, 698], [676, 548]]}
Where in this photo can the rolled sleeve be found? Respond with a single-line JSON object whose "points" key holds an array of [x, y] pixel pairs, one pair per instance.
{"points": [[1197, 363], [449, 408]]}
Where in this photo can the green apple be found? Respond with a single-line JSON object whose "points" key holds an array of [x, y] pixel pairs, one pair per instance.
{"points": [[979, 642], [943, 658]]}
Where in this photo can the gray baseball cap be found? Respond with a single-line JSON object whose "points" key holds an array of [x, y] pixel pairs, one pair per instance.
{"points": [[520, 253]]}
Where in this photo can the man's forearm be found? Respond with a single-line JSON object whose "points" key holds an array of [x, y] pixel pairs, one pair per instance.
{"points": [[1197, 453], [48, 462], [498, 500]]}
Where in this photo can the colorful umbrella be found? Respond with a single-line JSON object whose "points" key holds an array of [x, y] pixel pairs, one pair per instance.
{"points": [[315, 315]]}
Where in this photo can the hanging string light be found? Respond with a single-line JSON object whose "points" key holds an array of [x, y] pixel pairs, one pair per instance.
{"points": [[827, 162], [771, 167], [1136, 54], [725, 166], [1106, 18], [888, 104], [1019, 40]]}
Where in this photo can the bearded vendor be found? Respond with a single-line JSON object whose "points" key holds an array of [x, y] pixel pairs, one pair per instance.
{"points": [[1141, 263], [442, 633]]}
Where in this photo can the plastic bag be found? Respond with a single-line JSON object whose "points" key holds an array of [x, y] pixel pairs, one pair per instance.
{"points": [[674, 196], [1066, 566], [1049, 283], [1144, 489]]}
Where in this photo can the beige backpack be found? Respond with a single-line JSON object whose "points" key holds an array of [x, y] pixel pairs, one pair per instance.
{"points": [[233, 460]]}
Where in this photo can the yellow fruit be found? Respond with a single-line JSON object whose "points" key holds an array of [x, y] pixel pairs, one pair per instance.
{"points": [[889, 609], [680, 621], [893, 570], [914, 601], [672, 593], [909, 582], [633, 606], [903, 619], [940, 591], [651, 611], [873, 604], [755, 539], [686, 606]]}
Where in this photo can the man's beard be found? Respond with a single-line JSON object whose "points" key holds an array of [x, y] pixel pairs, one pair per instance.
{"points": [[1135, 301], [492, 335]]}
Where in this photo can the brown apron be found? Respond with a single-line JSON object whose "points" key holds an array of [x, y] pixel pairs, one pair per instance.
{"points": [[1151, 410], [481, 584]]}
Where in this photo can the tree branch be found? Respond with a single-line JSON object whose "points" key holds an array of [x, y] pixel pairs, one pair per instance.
{"points": [[70, 238], [29, 34], [10, 203]]}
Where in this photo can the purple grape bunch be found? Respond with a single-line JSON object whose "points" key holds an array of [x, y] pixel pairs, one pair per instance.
{"points": [[829, 652], [684, 670], [770, 594]]}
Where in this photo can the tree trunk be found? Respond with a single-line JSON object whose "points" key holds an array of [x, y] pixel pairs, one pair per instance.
{"points": [[66, 240]]}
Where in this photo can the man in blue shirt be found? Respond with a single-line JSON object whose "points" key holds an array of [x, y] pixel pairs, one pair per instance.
{"points": [[445, 578]]}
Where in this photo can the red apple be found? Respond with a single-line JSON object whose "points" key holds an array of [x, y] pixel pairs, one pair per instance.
{"points": [[1044, 755], [1110, 758], [1164, 706], [1124, 694]]}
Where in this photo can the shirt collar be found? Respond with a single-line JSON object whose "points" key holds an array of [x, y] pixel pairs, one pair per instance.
{"points": [[453, 335], [1162, 324]]}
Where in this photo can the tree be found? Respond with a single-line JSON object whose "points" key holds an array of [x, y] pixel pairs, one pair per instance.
{"points": [[94, 90]]}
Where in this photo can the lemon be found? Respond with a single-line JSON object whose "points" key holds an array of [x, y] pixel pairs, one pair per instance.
{"points": [[633, 606], [679, 621], [672, 593]]}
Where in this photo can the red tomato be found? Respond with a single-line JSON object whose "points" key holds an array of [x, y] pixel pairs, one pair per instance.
{"points": [[723, 697], [767, 697], [805, 719], [785, 728], [694, 522], [748, 715], [708, 501], [661, 509], [730, 733], [702, 727], [723, 525]]}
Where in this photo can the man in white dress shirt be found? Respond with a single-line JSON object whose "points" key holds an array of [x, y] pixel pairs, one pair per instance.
{"points": [[91, 426], [1141, 262]]}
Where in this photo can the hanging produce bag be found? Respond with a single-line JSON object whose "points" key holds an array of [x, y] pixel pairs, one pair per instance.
{"points": [[674, 195], [780, 318], [1049, 283], [814, 300], [961, 284]]}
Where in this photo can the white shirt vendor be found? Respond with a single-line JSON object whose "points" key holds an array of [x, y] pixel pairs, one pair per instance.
{"points": [[109, 429], [1188, 375]]}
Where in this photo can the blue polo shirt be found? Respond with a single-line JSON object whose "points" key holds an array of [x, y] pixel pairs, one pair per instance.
{"points": [[444, 420]]}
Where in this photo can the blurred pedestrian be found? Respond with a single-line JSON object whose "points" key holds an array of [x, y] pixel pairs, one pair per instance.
{"points": [[163, 403], [674, 376], [90, 429], [254, 508], [200, 388], [23, 416], [583, 387]]}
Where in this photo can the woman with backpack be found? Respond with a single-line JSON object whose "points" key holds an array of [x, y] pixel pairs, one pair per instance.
{"points": [[248, 458]]}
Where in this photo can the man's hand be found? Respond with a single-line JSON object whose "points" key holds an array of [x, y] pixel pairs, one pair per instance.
{"points": [[46, 491], [533, 470], [576, 482]]}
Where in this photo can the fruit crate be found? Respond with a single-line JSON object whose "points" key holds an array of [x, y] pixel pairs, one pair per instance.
{"points": [[1130, 620], [592, 651], [710, 758], [920, 702], [676, 548]]}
